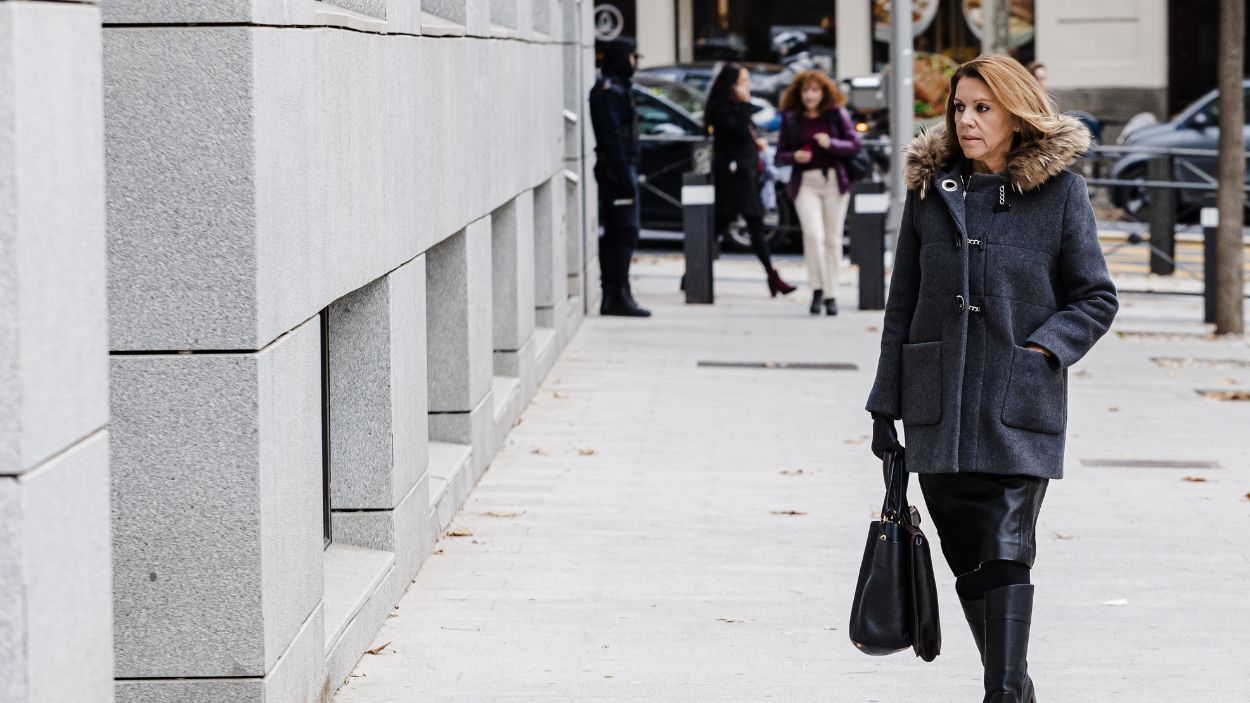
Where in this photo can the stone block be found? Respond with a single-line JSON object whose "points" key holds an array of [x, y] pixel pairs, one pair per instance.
{"points": [[458, 319], [178, 110], [576, 233], [504, 14], [508, 398], [512, 255], [298, 676], [370, 592], [474, 429], [378, 390], [55, 604], [399, 531], [550, 248], [217, 527], [450, 10], [451, 468], [477, 18], [53, 333], [541, 12]]}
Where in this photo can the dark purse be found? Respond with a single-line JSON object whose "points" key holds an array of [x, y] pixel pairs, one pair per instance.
{"points": [[895, 604], [859, 165]]}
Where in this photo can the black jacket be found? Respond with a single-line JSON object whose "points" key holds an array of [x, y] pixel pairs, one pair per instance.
{"points": [[614, 119], [735, 159]]}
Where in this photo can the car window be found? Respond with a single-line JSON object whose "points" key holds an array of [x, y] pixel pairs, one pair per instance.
{"points": [[1212, 109], [652, 114]]}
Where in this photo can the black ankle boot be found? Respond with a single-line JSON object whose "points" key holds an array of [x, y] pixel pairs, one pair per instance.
{"points": [[1008, 614], [617, 302], [816, 295], [974, 613], [831, 306]]}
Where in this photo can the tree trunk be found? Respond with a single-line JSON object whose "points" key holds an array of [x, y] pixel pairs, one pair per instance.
{"points": [[1229, 315]]}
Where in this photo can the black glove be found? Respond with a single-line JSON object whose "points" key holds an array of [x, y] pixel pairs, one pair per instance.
{"points": [[884, 437]]}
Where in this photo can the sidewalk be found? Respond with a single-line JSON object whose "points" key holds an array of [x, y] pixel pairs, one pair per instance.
{"points": [[659, 531]]}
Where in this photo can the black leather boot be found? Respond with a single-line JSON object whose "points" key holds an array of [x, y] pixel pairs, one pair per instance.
{"points": [[816, 296], [637, 310], [618, 303], [974, 613], [831, 306], [1008, 614]]}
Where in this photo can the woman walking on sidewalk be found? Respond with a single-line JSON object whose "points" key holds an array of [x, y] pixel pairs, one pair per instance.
{"points": [[999, 286], [816, 135], [736, 163]]}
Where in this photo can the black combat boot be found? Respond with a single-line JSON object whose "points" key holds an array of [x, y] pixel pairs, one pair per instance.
{"points": [[1008, 614]]}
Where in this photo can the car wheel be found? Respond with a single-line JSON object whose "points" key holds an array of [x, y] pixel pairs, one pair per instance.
{"points": [[1134, 199], [738, 239]]}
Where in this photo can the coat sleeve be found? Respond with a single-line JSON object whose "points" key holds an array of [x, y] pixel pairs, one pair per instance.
{"points": [[606, 109], [1089, 296], [785, 149], [845, 147], [899, 309]]}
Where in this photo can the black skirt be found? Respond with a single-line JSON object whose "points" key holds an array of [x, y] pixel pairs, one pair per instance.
{"points": [[983, 517]]}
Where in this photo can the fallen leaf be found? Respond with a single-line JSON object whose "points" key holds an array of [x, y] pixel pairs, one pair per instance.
{"points": [[518, 422], [1194, 479], [477, 542], [378, 649], [540, 452], [791, 472], [872, 328], [1248, 496], [1113, 409], [788, 512], [734, 620], [459, 533], [438, 551], [855, 441], [1117, 601], [1060, 535], [497, 513], [559, 395], [587, 452]]}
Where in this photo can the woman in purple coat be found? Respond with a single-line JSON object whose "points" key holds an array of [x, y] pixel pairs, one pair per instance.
{"points": [[816, 136]]}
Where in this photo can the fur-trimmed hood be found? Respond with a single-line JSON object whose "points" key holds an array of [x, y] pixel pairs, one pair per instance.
{"points": [[1027, 167]]}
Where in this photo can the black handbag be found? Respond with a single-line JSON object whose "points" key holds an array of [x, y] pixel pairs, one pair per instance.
{"points": [[859, 165], [895, 604]]}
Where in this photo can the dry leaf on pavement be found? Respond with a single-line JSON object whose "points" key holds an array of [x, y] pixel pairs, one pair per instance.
{"points": [[559, 394], [1060, 535], [540, 452], [587, 452], [791, 472], [1194, 479], [459, 533], [498, 513], [378, 649], [788, 512]]}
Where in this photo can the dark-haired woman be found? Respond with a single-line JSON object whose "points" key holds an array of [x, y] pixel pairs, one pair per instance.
{"points": [[735, 163], [816, 135]]}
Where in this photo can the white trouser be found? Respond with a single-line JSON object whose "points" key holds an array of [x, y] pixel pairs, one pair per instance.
{"points": [[821, 207]]}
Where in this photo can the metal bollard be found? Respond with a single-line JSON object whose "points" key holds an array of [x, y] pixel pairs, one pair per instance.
{"points": [[1210, 262], [1162, 217], [698, 203], [869, 205]]}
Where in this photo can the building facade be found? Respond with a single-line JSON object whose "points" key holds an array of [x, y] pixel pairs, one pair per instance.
{"points": [[286, 272]]}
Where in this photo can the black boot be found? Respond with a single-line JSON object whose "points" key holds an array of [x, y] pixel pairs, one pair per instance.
{"points": [[1008, 614], [618, 303], [974, 613], [831, 306], [637, 310], [816, 295]]}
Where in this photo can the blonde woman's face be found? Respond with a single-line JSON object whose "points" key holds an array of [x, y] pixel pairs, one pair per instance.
{"points": [[984, 128], [812, 95]]}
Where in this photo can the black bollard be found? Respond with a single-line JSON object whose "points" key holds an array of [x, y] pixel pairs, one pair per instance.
{"points": [[1210, 261], [1162, 217], [869, 206], [698, 203]]}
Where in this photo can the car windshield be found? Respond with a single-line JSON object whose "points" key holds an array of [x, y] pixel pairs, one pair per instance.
{"points": [[680, 95], [1212, 109]]}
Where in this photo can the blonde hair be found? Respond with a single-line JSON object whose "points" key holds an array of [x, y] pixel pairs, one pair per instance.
{"points": [[1015, 89], [792, 100]]}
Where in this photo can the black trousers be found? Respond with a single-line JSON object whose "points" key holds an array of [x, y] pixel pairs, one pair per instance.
{"points": [[620, 218]]}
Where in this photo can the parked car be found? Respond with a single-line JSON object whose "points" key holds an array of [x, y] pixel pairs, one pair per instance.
{"points": [[662, 163], [1195, 127], [691, 98], [699, 74]]}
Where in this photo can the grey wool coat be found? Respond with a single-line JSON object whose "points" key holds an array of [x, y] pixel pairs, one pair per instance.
{"points": [[986, 264]]}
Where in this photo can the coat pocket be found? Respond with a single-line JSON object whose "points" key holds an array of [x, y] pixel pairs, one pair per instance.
{"points": [[922, 383], [1036, 397]]}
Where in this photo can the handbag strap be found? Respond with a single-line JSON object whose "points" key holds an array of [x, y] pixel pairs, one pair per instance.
{"points": [[894, 470]]}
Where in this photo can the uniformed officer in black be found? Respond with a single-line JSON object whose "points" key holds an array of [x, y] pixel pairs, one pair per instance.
{"points": [[615, 123]]}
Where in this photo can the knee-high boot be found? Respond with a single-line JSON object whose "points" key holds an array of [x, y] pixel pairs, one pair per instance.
{"points": [[974, 613], [1008, 614]]}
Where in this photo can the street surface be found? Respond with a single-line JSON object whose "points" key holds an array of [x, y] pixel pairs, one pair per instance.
{"points": [[657, 530]]}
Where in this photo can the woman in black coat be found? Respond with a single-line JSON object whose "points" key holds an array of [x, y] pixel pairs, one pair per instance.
{"points": [[999, 286], [735, 163]]}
